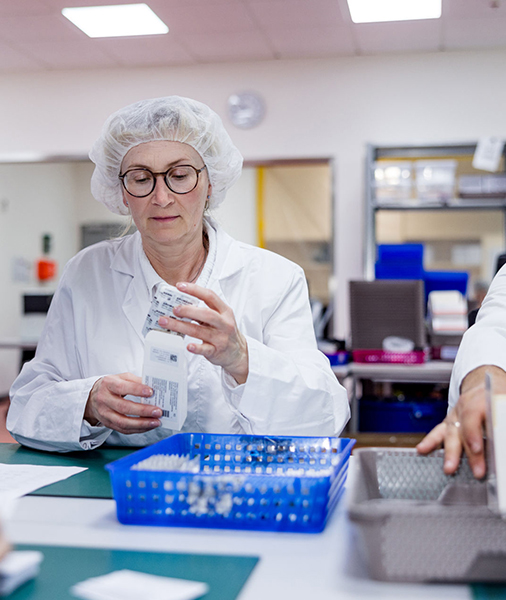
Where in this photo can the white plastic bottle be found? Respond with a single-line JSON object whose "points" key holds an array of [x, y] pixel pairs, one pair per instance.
{"points": [[165, 370]]}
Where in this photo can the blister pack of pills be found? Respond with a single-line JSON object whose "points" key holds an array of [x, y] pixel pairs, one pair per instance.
{"points": [[166, 298]]}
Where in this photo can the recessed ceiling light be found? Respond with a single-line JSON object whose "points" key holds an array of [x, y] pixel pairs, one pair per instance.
{"points": [[376, 11], [116, 21]]}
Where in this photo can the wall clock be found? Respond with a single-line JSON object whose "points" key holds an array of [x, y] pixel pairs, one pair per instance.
{"points": [[246, 109]]}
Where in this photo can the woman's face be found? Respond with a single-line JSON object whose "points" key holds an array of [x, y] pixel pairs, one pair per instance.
{"points": [[165, 217]]}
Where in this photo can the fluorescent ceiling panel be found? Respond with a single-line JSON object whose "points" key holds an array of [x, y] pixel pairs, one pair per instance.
{"points": [[116, 21], [378, 11]]}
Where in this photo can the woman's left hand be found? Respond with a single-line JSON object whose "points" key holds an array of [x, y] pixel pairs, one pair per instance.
{"points": [[222, 342]]}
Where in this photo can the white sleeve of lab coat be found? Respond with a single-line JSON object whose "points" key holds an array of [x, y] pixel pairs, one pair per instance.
{"points": [[49, 396], [291, 389], [484, 343]]}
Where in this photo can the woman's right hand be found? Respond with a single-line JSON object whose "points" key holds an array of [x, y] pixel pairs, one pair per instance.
{"points": [[107, 405]]}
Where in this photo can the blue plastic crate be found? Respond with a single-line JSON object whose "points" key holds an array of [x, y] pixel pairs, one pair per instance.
{"points": [[389, 415], [245, 482]]}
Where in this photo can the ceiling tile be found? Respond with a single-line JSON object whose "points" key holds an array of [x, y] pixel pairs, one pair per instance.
{"points": [[295, 14], [231, 47], [11, 8], [312, 42], [41, 28], [14, 60], [147, 51], [201, 16], [406, 36], [476, 33], [471, 9], [59, 4], [83, 54]]}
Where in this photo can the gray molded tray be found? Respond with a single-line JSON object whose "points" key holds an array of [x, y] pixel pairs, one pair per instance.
{"points": [[417, 524]]}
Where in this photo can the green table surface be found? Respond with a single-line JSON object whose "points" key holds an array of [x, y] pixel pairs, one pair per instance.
{"points": [[92, 483], [488, 591], [64, 567]]}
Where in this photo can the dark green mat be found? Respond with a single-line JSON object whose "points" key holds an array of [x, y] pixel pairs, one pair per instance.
{"points": [[93, 483], [488, 591], [63, 567]]}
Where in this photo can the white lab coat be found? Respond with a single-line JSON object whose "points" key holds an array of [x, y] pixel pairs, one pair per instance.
{"points": [[485, 342], [94, 326]]}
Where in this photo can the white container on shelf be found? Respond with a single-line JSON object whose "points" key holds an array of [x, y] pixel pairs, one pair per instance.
{"points": [[393, 181], [435, 179]]}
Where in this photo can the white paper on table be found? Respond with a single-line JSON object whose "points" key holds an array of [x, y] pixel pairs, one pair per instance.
{"points": [[18, 567], [19, 480], [133, 585]]}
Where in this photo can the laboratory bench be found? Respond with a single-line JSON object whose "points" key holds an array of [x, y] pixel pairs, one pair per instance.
{"points": [[324, 566], [434, 371]]}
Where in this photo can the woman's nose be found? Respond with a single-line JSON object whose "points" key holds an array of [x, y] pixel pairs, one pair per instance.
{"points": [[161, 195]]}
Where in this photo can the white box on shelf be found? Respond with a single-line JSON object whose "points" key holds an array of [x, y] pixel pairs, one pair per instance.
{"points": [[435, 179], [393, 181]]}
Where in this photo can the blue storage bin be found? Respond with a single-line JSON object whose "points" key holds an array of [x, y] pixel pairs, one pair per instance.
{"points": [[400, 253], [245, 482], [398, 271], [389, 415], [399, 261], [446, 280]]}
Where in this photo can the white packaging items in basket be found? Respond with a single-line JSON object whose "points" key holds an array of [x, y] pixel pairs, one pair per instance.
{"points": [[165, 370], [166, 298]]}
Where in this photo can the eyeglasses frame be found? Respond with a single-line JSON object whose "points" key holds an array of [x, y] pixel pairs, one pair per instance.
{"points": [[164, 173]]}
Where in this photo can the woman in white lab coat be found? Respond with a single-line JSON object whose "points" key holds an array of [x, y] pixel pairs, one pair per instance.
{"points": [[253, 362]]}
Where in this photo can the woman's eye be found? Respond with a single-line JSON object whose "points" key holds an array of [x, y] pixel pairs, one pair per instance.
{"points": [[140, 177]]}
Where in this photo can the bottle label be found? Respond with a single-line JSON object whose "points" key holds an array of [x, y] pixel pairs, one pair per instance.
{"points": [[165, 370]]}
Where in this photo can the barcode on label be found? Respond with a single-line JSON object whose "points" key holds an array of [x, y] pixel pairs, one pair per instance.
{"points": [[163, 356]]}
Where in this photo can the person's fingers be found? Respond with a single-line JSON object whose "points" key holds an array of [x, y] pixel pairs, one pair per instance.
{"points": [[452, 447], [201, 314], [130, 377], [191, 329], [123, 406], [433, 439], [472, 438], [123, 387], [127, 425], [109, 407], [204, 349], [206, 295]]}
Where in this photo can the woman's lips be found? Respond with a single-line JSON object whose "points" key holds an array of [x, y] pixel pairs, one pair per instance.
{"points": [[165, 219]]}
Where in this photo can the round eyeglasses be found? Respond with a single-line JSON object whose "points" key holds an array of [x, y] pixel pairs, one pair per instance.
{"points": [[181, 179]]}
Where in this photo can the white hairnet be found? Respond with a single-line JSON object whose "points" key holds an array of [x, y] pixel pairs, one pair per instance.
{"points": [[174, 119]]}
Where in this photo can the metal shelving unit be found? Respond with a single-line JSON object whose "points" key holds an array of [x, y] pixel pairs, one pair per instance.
{"points": [[416, 152]]}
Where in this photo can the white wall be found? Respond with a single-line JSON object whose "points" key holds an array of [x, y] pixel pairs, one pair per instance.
{"points": [[36, 199], [238, 213], [315, 108]]}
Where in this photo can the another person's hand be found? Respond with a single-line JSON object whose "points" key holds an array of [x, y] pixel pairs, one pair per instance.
{"points": [[464, 425], [4, 546], [222, 342], [107, 405]]}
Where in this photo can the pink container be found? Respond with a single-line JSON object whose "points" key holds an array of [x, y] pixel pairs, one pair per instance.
{"points": [[415, 357]]}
